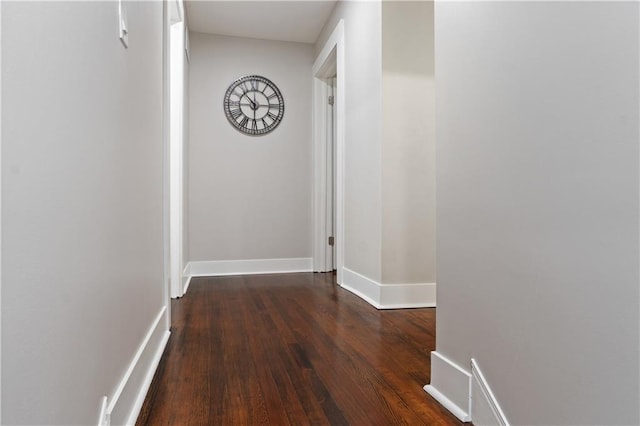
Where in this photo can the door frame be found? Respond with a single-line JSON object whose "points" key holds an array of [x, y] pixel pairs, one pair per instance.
{"points": [[174, 163], [331, 56], [0, 217]]}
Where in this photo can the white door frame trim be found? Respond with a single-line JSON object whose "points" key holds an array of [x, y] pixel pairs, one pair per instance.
{"points": [[332, 50], [176, 48], [166, 246], [0, 218]]}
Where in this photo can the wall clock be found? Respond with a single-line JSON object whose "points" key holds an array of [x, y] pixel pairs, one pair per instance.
{"points": [[254, 105]]}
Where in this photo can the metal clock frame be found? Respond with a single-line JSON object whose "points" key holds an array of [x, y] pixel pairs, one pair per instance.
{"points": [[235, 114]]}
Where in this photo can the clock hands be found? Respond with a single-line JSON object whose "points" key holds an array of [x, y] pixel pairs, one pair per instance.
{"points": [[253, 103]]}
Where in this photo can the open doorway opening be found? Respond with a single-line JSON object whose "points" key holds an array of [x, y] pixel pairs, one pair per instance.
{"points": [[331, 172], [328, 76], [326, 165]]}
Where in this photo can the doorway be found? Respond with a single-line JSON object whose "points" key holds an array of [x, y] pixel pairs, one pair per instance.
{"points": [[331, 173], [328, 117], [326, 167]]}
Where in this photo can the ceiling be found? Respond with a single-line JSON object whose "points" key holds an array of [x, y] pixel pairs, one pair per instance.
{"points": [[299, 21]]}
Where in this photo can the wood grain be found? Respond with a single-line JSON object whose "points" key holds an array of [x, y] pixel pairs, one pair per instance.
{"points": [[292, 349]]}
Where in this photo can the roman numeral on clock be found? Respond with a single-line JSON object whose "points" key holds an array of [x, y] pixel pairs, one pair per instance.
{"points": [[271, 115], [235, 113]]}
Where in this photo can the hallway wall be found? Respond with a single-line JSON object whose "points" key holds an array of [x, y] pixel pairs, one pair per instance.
{"points": [[249, 197], [363, 133], [82, 208], [408, 143], [537, 204]]}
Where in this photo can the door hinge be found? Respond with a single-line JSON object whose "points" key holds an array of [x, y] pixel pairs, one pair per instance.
{"points": [[332, 241], [331, 100]]}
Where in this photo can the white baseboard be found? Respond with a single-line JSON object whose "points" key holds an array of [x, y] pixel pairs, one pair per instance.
{"points": [[185, 284], [248, 267], [361, 286], [126, 402], [103, 418], [450, 386], [389, 296], [398, 296], [186, 278], [485, 410]]}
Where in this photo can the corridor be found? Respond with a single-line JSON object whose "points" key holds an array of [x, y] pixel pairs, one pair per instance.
{"points": [[292, 349]]}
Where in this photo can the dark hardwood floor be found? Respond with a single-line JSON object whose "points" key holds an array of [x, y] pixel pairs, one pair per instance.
{"points": [[292, 349]]}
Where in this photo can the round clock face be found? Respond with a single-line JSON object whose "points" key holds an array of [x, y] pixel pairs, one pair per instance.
{"points": [[254, 105]]}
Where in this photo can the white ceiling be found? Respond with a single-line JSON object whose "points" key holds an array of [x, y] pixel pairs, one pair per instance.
{"points": [[299, 21]]}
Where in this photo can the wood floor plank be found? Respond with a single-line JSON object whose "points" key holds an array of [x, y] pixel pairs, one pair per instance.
{"points": [[364, 361], [298, 366], [292, 349]]}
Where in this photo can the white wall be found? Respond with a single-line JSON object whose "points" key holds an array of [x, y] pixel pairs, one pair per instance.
{"points": [[408, 144], [249, 197], [82, 255], [537, 201], [363, 133]]}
